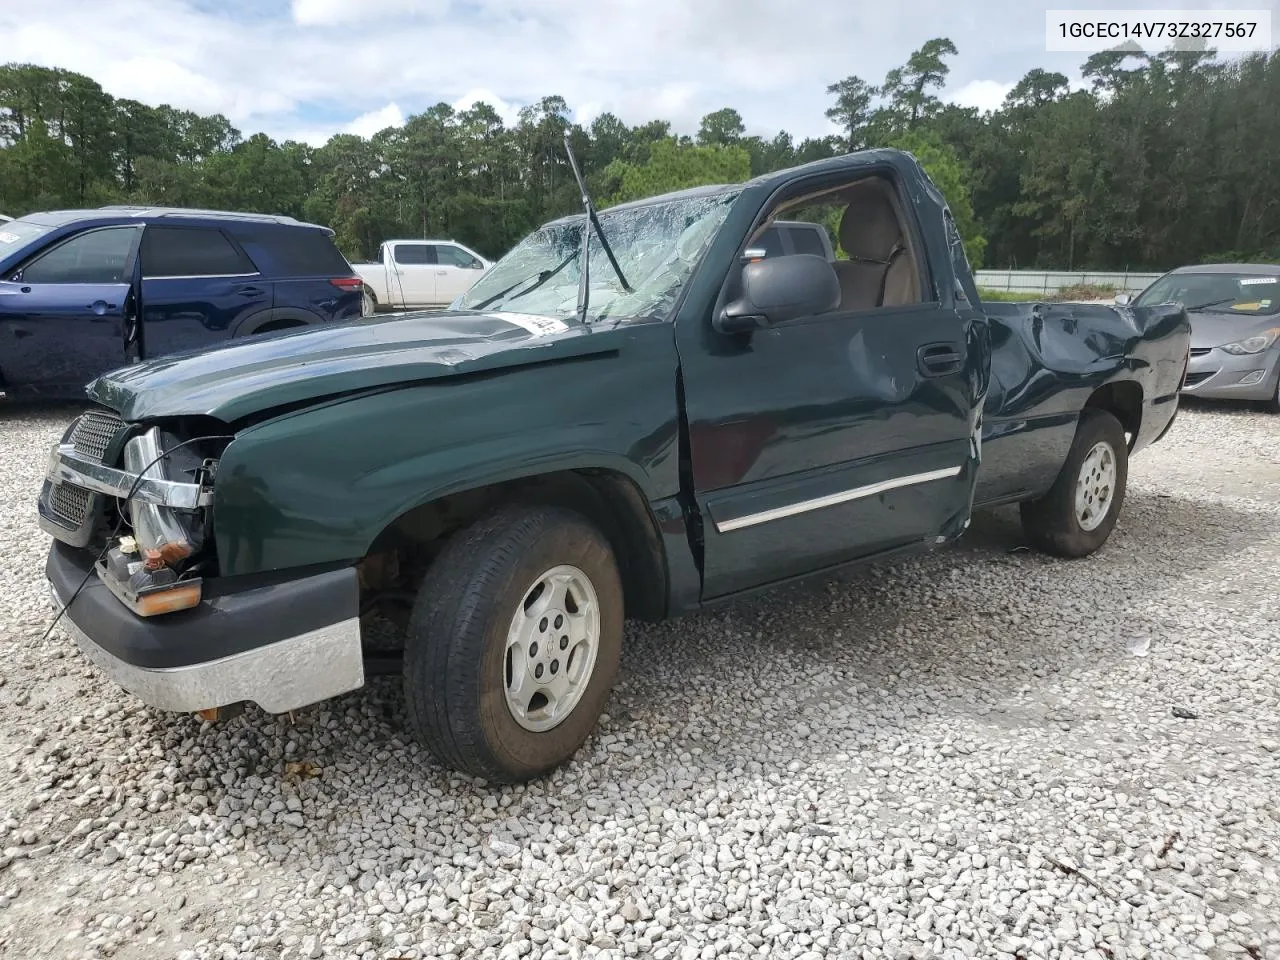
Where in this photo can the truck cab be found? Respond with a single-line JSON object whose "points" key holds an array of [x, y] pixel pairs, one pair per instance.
{"points": [[419, 274]]}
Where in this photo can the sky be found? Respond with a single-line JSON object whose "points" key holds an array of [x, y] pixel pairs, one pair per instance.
{"points": [[307, 69]]}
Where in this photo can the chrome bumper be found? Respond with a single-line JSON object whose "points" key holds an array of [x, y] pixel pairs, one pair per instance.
{"points": [[278, 677], [67, 466]]}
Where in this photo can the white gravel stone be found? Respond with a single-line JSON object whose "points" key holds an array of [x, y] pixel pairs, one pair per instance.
{"points": [[969, 754]]}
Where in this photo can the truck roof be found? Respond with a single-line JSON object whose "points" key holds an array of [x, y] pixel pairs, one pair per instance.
{"points": [[776, 178]]}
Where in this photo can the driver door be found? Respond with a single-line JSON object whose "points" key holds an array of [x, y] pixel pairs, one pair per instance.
{"points": [[832, 437]]}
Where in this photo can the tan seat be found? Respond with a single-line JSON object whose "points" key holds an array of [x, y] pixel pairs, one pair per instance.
{"points": [[880, 270]]}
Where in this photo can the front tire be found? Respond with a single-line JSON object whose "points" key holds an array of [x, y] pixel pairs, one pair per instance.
{"points": [[1080, 510], [513, 644]]}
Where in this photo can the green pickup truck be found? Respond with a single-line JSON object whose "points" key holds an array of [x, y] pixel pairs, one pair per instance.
{"points": [[694, 415]]}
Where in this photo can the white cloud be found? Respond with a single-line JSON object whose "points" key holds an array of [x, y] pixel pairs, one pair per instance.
{"points": [[984, 94], [509, 112], [367, 124], [310, 13], [279, 68]]}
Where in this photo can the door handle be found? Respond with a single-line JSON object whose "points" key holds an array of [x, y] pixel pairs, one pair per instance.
{"points": [[442, 273], [100, 307], [250, 291], [939, 359]]}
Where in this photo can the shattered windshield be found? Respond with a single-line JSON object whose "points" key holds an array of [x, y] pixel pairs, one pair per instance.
{"points": [[657, 246]]}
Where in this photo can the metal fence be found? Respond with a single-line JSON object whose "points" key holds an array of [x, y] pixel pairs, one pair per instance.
{"points": [[1050, 281]]}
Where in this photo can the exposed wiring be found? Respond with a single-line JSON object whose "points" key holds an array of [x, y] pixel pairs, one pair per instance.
{"points": [[122, 511]]}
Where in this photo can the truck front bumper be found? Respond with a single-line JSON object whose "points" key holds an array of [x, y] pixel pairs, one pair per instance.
{"points": [[280, 645]]}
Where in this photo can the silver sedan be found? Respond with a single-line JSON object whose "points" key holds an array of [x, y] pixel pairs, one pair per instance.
{"points": [[1235, 328]]}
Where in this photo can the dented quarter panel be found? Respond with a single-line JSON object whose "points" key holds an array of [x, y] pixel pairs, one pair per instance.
{"points": [[1047, 361]]}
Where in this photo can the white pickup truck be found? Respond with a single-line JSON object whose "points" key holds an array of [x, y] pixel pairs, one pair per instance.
{"points": [[412, 274]]}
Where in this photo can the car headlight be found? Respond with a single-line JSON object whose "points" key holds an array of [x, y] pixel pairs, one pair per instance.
{"points": [[1251, 344]]}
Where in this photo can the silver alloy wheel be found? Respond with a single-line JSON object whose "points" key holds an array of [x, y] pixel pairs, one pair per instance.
{"points": [[551, 648], [368, 306], [1095, 486]]}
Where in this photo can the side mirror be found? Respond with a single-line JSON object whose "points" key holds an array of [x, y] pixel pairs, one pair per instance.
{"points": [[1123, 299], [779, 289]]}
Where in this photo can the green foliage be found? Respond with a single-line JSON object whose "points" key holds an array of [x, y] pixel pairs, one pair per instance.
{"points": [[1081, 291], [675, 166], [951, 176], [852, 109], [722, 128], [1162, 160]]}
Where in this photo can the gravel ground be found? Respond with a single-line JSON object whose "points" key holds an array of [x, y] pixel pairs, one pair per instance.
{"points": [[981, 753]]}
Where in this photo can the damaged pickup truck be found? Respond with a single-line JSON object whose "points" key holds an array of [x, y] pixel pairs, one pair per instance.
{"points": [[671, 420]]}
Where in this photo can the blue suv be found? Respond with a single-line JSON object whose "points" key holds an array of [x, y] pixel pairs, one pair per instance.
{"points": [[87, 291]]}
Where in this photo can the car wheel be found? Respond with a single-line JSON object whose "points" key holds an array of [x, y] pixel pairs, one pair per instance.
{"points": [[513, 643], [368, 303], [1273, 404], [1080, 510]]}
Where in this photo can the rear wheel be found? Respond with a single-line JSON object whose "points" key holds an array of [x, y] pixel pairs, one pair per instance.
{"points": [[513, 644], [1080, 510], [368, 303]]}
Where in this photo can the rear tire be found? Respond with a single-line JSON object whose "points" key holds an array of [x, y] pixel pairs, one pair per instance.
{"points": [[524, 590], [1080, 510]]}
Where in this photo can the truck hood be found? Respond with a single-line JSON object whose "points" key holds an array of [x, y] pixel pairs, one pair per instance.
{"points": [[1209, 329], [257, 374]]}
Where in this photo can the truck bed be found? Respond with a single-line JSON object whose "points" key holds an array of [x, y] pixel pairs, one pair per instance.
{"points": [[1047, 360]]}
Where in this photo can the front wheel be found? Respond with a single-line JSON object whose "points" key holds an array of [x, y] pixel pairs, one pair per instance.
{"points": [[1080, 510], [514, 643], [368, 303]]}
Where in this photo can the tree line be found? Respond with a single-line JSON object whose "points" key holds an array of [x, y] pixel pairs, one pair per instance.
{"points": [[1161, 160]]}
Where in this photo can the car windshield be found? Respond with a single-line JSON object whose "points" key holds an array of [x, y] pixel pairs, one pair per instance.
{"points": [[657, 246], [18, 233], [1242, 294]]}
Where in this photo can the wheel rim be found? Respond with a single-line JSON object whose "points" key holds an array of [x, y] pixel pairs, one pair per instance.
{"points": [[1096, 486], [367, 302], [551, 648]]}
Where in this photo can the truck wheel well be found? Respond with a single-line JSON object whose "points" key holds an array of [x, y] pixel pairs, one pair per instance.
{"points": [[400, 555], [1123, 400]]}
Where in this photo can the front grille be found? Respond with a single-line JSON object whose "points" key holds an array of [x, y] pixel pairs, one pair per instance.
{"points": [[1200, 351], [93, 433], [69, 503], [1193, 378]]}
